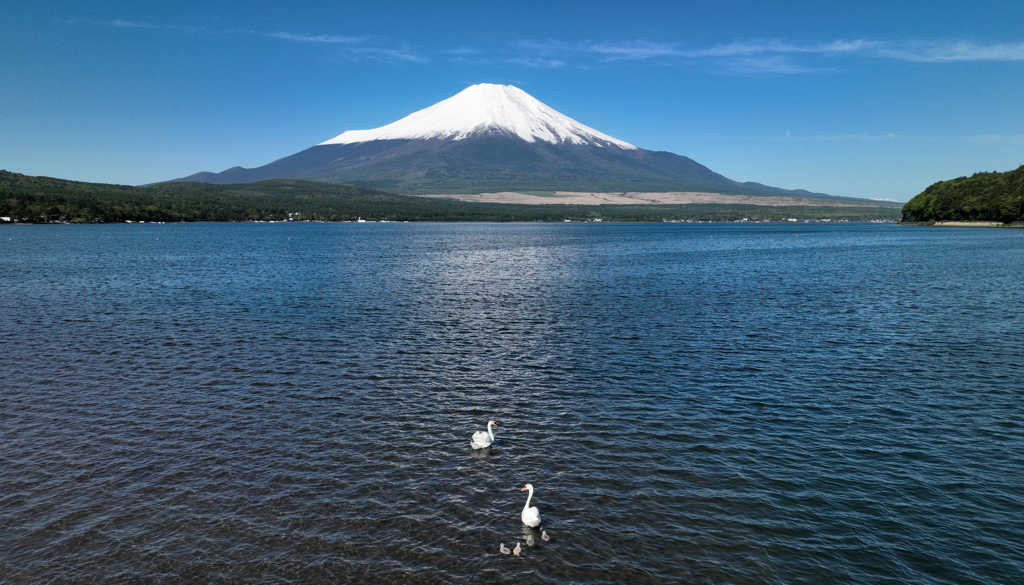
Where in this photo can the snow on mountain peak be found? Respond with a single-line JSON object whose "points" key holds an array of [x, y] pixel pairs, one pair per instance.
{"points": [[486, 107]]}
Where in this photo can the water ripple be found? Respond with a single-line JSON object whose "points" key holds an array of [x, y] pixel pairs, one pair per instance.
{"points": [[228, 404]]}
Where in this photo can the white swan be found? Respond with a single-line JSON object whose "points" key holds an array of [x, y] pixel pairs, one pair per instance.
{"points": [[482, 440], [531, 516]]}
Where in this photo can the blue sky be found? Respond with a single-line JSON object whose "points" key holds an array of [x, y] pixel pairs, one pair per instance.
{"points": [[863, 99]]}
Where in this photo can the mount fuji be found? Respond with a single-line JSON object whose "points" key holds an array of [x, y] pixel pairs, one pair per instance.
{"points": [[490, 138]]}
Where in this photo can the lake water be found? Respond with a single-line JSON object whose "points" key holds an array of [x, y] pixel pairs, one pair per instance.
{"points": [[694, 403]]}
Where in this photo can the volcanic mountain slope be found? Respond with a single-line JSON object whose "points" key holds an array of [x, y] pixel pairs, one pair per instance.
{"points": [[490, 138]]}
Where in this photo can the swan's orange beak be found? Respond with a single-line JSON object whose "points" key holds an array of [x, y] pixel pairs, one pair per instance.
{"points": [[523, 490]]}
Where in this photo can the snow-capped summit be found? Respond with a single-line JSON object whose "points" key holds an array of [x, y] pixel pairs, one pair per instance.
{"points": [[481, 109]]}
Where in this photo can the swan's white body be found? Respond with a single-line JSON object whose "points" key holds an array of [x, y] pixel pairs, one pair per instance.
{"points": [[482, 440], [531, 515]]}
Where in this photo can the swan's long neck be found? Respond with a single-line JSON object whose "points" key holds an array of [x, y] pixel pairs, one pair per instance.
{"points": [[489, 431], [528, 498]]}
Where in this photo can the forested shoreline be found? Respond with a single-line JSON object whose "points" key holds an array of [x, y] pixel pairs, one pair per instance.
{"points": [[991, 196], [30, 199]]}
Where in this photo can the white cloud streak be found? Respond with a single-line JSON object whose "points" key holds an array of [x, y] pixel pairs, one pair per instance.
{"points": [[538, 63], [129, 24], [750, 57], [301, 38], [349, 48], [461, 51], [771, 56], [393, 55], [949, 52]]}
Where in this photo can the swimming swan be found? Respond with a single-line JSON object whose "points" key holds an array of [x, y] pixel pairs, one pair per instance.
{"points": [[482, 440], [531, 516], [504, 549]]}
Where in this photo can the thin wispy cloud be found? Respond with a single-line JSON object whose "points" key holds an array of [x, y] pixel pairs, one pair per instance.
{"points": [[768, 65], [777, 47], [401, 54], [948, 52], [462, 51], [769, 56], [538, 63], [129, 24], [301, 38], [631, 50], [753, 57], [349, 48]]}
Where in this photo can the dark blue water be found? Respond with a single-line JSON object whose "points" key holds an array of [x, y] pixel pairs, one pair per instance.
{"points": [[693, 403]]}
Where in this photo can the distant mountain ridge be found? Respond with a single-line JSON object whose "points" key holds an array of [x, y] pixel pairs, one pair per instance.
{"points": [[491, 138]]}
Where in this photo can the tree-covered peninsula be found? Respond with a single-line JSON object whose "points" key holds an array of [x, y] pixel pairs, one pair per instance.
{"points": [[980, 197], [43, 200]]}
